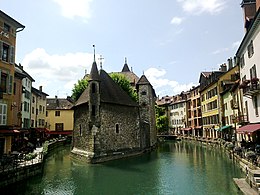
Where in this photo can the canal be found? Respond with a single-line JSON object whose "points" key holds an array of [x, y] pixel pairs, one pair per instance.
{"points": [[174, 168]]}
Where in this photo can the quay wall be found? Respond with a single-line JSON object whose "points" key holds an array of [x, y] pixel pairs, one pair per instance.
{"points": [[27, 169]]}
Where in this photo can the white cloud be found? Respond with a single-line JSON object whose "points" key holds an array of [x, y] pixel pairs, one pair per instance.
{"points": [[221, 50], [56, 73], [202, 6], [165, 86], [177, 20], [76, 8], [225, 49]]}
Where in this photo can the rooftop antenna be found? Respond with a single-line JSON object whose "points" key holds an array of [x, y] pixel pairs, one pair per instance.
{"points": [[125, 60], [100, 58], [94, 53]]}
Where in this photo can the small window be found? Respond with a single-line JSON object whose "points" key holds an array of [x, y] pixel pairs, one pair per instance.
{"points": [[59, 127], [250, 49], [93, 86], [242, 61], [93, 111], [117, 128], [143, 92], [57, 113], [5, 52], [255, 99], [80, 130], [6, 27]]}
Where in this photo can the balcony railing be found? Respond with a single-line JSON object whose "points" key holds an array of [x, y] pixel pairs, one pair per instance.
{"points": [[250, 87], [241, 119]]}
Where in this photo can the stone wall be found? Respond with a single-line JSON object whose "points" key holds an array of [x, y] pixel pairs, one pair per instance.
{"points": [[119, 130], [147, 113], [82, 136]]}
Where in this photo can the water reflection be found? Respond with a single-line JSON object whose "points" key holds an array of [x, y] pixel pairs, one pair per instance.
{"points": [[175, 168]]}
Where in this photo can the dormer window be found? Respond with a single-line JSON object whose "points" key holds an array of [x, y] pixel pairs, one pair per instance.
{"points": [[6, 27]]}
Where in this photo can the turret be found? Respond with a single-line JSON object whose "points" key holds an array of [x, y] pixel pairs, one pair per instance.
{"points": [[147, 99], [94, 95]]}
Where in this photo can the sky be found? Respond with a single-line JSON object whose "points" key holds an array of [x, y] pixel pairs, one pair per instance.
{"points": [[170, 41]]}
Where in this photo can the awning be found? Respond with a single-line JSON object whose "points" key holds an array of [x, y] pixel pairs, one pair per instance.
{"points": [[224, 127], [247, 129], [60, 132], [3, 131], [186, 129]]}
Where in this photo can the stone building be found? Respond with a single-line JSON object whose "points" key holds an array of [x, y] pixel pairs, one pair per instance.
{"points": [[108, 124]]}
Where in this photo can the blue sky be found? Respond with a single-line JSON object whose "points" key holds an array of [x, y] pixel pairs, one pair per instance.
{"points": [[171, 41]]}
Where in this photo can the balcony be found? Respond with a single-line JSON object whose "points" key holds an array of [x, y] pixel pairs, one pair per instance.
{"points": [[241, 119], [250, 87]]}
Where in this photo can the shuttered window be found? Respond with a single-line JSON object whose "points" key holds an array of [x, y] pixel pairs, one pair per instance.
{"points": [[3, 114]]}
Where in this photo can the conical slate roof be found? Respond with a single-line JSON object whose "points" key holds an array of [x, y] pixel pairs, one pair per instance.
{"points": [[143, 81], [125, 68], [94, 72]]}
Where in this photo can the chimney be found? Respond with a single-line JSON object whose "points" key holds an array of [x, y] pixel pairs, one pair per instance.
{"points": [[230, 63], [249, 8], [223, 67], [57, 101], [20, 66], [40, 88]]}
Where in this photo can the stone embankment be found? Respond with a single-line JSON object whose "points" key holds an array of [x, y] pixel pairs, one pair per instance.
{"points": [[249, 185], [17, 167]]}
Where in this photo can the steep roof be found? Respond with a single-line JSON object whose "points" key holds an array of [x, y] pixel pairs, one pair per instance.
{"points": [[59, 104], [131, 77], [125, 68], [143, 80], [94, 72], [110, 92], [10, 19]]}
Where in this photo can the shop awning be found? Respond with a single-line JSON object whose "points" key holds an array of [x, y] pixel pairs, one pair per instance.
{"points": [[186, 129], [224, 128], [5, 131], [247, 129], [60, 132]]}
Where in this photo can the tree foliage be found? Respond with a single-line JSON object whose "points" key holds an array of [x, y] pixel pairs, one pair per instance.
{"points": [[124, 83], [161, 119], [79, 88]]}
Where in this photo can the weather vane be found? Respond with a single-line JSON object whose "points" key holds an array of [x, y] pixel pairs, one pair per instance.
{"points": [[100, 58]]}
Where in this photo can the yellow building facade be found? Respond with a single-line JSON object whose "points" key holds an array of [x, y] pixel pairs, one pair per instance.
{"points": [[60, 116], [9, 28]]}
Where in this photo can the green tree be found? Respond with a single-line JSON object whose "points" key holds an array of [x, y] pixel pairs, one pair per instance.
{"points": [[124, 83], [161, 119], [79, 88]]}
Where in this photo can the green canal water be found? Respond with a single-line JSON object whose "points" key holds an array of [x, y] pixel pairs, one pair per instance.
{"points": [[174, 168]]}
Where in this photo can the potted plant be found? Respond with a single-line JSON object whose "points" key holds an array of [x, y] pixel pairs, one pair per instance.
{"points": [[254, 80]]}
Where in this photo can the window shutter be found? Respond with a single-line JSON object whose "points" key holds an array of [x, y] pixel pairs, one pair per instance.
{"points": [[10, 80], [12, 55]]}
